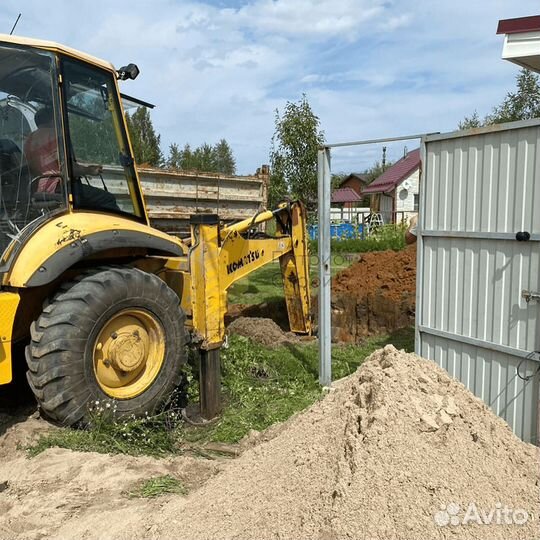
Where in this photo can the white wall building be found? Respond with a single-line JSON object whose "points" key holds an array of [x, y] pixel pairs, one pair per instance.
{"points": [[395, 193]]}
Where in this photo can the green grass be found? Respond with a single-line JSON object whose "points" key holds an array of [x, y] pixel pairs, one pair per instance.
{"points": [[266, 284], [264, 386], [261, 387], [152, 435], [387, 237], [157, 486]]}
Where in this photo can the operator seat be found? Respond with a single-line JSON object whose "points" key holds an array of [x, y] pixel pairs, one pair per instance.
{"points": [[14, 176]]}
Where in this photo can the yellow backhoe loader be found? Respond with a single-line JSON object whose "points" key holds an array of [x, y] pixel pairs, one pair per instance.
{"points": [[105, 302]]}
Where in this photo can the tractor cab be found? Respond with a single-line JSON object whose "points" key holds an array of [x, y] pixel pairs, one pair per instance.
{"points": [[63, 142]]}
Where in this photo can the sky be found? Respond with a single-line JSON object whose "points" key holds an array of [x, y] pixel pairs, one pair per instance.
{"points": [[220, 68]]}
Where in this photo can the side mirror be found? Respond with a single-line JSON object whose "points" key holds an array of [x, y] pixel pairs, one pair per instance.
{"points": [[131, 71]]}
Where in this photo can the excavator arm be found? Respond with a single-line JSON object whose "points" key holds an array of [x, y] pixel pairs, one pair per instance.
{"points": [[220, 256]]}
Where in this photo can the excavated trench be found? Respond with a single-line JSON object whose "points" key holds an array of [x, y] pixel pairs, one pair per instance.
{"points": [[375, 295]]}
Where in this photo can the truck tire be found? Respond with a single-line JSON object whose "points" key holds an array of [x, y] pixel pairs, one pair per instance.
{"points": [[112, 334]]}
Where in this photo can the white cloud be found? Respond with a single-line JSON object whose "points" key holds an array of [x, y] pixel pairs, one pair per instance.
{"points": [[370, 67], [309, 18], [395, 22]]}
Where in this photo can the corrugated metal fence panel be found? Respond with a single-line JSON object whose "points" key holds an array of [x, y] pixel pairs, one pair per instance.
{"points": [[473, 288], [483, 182], [478, 190], [491, 376], [171, 197]]}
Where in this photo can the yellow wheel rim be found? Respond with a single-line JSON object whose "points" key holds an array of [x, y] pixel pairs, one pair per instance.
{"points": [[128, 353]]}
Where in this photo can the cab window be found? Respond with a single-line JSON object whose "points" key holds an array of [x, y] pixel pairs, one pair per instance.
{"points": [[103, 175], [32, 185]]}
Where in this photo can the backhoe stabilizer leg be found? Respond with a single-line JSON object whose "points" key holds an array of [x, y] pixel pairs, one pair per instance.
{"points": [[210, 383]]}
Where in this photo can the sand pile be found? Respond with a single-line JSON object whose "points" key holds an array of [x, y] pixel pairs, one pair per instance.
{"points": [[399, 450], [64, 494], [374, 295], [262, 330]]}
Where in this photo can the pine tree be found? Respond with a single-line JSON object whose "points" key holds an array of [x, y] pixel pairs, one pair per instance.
{"points": [[144, 139], [225, 162], [204, 159], [187, 162], [174, 161]]}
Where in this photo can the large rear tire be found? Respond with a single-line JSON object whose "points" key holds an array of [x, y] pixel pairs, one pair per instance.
{"points": [[112, 334]]}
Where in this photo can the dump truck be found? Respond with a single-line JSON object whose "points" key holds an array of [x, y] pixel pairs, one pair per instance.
{"points": [[104, 303]]}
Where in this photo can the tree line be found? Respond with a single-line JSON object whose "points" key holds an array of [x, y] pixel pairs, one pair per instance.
{"points": [[293, 155], [522, 104], [146, 143]]}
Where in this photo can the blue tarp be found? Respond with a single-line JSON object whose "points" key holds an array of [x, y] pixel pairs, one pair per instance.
{"points": [[339, 232]]}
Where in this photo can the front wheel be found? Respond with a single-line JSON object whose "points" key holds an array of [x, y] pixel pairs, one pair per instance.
{"points": [[115, 333]]}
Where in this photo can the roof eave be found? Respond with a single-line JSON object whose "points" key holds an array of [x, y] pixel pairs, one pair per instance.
{"points": [[519, 25], [381, 189], [388, 187], [521, 41]]}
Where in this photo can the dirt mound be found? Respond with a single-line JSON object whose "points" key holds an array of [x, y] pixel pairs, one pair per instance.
{"points": [[263, 331], [273, 309], [64, 494], [399, 450], [376, 294], [393, 273], [20, 431]]}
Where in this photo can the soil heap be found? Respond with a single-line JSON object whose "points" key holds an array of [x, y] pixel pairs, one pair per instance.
{"points": [[262, 330], [399, 450], [63, 494], [376, 294]]}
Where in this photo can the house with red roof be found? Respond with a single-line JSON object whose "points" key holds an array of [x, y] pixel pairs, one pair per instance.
{"points": [[348, 198], [344, 202], [356, 181], [395, 193]]}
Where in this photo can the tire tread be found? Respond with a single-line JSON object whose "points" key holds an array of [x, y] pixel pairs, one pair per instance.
{"points": [[55, 355]]}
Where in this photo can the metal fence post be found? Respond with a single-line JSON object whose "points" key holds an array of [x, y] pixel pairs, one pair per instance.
{"points": [[325, 350], [324, 212]]}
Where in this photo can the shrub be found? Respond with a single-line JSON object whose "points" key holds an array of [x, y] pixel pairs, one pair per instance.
{"points": [[386, 237]]}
